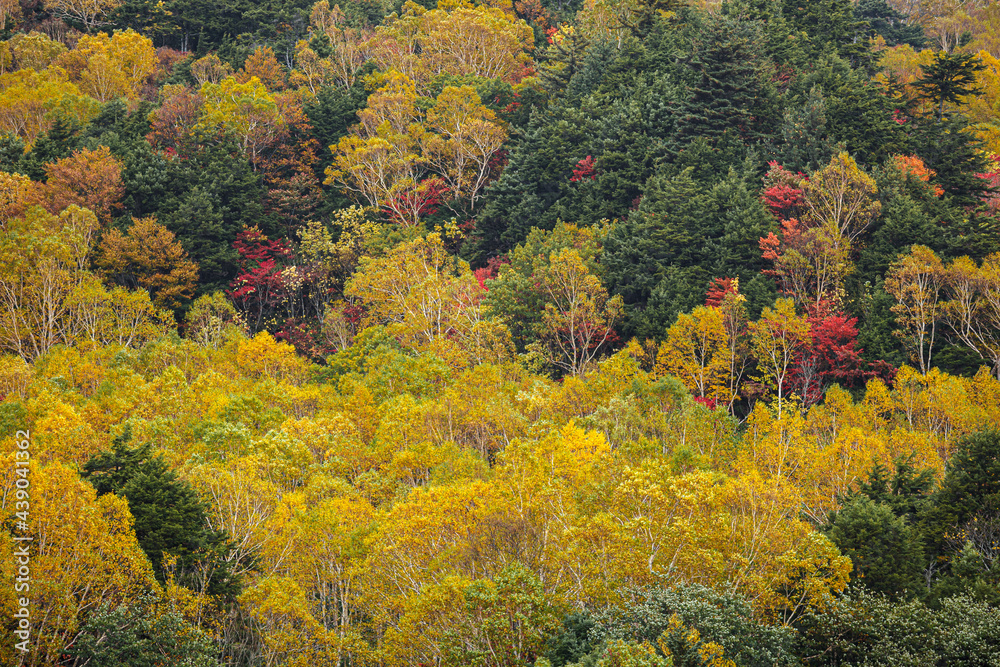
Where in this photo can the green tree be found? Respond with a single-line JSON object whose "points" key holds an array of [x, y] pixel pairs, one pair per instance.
{"points": [[138, 634], [732, 98], [970, 488], [894, 26], [205, 200], [950, 77], [170, 517], [884, 548], [668, 615]]}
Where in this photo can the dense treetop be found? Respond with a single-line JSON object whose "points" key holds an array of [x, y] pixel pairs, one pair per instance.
{"points": [[553, 332]]}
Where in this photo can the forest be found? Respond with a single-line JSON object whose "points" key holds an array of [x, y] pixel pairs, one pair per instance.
{"points": [[531, 333]]}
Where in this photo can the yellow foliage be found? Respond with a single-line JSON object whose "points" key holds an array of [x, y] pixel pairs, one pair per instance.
{"points": [[263, 356], [83, 553]]}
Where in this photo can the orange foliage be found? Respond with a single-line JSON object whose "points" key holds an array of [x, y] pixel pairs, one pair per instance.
{"points": [[911, 165], [263, 65], [89, 179]]}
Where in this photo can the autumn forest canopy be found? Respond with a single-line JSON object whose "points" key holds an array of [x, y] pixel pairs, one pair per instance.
{"points": [[596, 333]]}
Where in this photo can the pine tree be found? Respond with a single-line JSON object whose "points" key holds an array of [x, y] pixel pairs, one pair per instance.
{"points": [[170, 517]]}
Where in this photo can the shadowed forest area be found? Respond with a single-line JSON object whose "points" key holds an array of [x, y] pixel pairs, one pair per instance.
{"points": [[587, 333]]}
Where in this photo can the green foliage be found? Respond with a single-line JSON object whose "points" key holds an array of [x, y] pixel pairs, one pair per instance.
{"points": [[141, 634], [331, 114], [509, 619], [892, 25], [950, 77], [831, 27], [572, 641], [515, 296], [13, 417], [807, 147], [731, 99], [884, 548], [205, 200], [870, 630], [649, 613], [170, 516], [684, 234], [61, 140], [11, 153], [970, 488]]}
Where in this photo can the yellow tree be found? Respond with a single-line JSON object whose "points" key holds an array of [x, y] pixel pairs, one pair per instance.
{"points": [[981, 108], [697, 352], [380, 160], [118, 317], [311, 71], [483, 41], [289, 633], [973, 308], [90, 13], [27, 97], [16, 192], [11, 9], [319, 547], [841, 196], [734, 320], [151, 258], [780, 563], [83, 553], [350, 49], [246, 110], [210, 69], [428, 537], [106, 67], [455, 39], [579, 315], [916, 281], [466, 136], [419, 291], [34, 50], [777, 338], [41, 261]]}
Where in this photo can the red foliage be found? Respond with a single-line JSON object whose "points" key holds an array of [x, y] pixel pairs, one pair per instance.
{"points": [[253, 246], [412, 205], [305, 338], [780, 199], [353, 313], [717, 292], [490, 271], [584, 169], [911, 165], [833, 358], [992, 178], [771, 244], [259, 287], [709, 403], [782, 192]]}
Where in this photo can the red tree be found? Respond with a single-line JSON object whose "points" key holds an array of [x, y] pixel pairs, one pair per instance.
{"points": [[832, 358], [259, 288]]}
